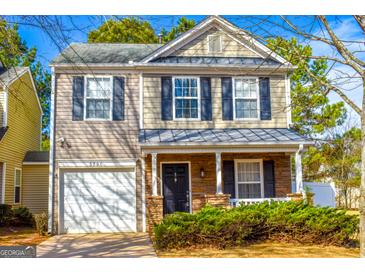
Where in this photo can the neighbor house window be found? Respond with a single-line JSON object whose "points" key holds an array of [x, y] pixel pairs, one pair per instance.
{"points": [[186, 98], [249, 179], [214, 43], [246, 101], [17, 185], [98, 98]]}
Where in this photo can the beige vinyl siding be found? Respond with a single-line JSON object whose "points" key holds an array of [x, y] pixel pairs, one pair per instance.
{"points": [[24, 121], [35, 187], [98, 140], [2, 107], [152, 107], [230, 46]]}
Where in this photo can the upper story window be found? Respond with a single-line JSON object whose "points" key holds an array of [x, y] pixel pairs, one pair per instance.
{"points": [[98, 98], [246, 98], [186, 98], [214, 43]]}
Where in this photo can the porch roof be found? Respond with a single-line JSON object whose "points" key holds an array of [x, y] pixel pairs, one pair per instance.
{"points": [[221, 137]]}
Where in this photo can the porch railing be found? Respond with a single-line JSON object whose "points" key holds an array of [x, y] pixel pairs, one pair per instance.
{"points": [[238, 202]]}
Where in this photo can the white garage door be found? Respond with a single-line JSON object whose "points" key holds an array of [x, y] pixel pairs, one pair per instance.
{"points": [[99, 201]]}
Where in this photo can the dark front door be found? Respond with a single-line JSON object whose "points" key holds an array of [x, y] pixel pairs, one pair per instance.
{"points": [[175, 187]]}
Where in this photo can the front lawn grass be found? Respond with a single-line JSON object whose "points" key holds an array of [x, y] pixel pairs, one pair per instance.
{"points": [[10, 236], [265, 250]]}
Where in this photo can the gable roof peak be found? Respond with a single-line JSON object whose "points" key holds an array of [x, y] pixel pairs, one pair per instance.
{"points": [[206, 24]]}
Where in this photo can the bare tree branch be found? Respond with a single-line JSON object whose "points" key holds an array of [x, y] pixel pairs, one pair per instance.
{"points": [[345, 53], [361, 21]]}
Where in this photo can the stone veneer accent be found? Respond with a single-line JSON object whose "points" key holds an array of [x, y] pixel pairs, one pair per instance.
{"points": [[218, 200], [204, 189], [154, 211], [298, 197]]}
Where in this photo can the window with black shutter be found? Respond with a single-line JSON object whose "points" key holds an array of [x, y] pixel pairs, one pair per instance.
{"points": [[17, 185]]}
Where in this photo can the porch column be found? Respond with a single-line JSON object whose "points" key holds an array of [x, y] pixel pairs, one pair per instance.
{"points": [[298, 170], [154, 174], [218, 170]]}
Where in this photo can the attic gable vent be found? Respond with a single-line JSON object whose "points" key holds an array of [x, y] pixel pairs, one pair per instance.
{"points": [[214, 43]]}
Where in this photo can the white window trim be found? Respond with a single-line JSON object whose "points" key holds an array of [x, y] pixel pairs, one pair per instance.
{"points": [[3, 183], [260, 161], [257, 97], [20, 185], [220, 43], [5, 110], [173, 98], [86, 77]]}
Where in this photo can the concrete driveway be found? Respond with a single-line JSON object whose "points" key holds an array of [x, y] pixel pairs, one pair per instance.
{"points": [[101, 245]]}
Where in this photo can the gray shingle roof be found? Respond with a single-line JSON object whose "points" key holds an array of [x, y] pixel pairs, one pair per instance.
{"points": [[36, 156], [3, 130], [8, 75], [102, 53], [240, 136]]}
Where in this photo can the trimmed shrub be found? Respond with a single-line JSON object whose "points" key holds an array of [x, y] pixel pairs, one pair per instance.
{"points": [[41, 223], [6, 214], [289, 221], [22, 217]]}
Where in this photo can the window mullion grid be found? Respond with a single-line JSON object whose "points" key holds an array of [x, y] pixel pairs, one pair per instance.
{"points": [[97, 91], [248, 168], [187, 98], [245, 98]]}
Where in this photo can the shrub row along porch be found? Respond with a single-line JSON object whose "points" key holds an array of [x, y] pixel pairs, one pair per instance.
{"points": [[184, 176]]}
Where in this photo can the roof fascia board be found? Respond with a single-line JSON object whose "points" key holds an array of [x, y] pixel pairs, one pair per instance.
{"points": [[171, 65], [35, 163], [254, 41], [179, 39], [35, 90], [242, 44], [205, 23], [221, 144], [179, 150], [16, 77]]}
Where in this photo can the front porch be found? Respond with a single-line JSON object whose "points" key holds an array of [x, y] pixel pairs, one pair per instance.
{"points": [[213, 175], [184, 176]]}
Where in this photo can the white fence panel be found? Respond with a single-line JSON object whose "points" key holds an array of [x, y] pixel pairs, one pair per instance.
{"points": [[324, 193]]}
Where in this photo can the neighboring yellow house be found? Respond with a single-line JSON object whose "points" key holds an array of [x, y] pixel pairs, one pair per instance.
{"points": [[24, 184]]}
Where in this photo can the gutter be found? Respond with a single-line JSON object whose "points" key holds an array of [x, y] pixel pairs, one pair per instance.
{"points": [[220, 144], [51, 186], [169, 65]]}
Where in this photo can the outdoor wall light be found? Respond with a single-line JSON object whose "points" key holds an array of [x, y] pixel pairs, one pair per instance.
{"points": [[202, 173]]}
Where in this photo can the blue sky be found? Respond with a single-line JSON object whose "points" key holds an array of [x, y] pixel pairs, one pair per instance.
{"points": [[75, 29]]}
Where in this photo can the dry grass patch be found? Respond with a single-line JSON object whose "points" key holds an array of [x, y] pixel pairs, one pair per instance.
{"points": [[20, 236], [265, 250]]}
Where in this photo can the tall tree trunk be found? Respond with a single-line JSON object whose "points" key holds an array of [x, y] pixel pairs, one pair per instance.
{"points": [[362, 186]]}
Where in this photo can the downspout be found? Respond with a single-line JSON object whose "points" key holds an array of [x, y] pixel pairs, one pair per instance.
{"points": [[288, 101], [142, 158], [51, 186]]}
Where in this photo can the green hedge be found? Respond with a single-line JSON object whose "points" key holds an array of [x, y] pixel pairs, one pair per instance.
{"points": [[289, 221], [20, 216]]}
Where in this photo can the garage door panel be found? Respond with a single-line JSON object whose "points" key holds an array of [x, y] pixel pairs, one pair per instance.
{"points": [[99, 201]]}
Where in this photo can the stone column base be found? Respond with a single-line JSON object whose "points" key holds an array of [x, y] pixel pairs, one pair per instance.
{"points": [[218, 200], [298, 197], [154, 206]]}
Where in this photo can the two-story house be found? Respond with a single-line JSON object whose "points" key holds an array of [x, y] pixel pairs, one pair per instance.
{"points": [[23, 167], [143, 130]]}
